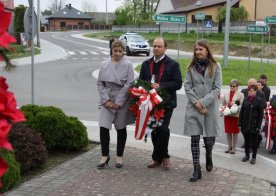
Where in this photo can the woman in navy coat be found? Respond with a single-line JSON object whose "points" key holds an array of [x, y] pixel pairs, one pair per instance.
{"points": [[250, 121]]}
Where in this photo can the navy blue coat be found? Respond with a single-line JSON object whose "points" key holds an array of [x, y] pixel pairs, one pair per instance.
{"points": [[251, 115], [171, 78]]}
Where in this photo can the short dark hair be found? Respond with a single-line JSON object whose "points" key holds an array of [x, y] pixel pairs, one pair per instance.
{"points": [[165, 42], [263, 76]]}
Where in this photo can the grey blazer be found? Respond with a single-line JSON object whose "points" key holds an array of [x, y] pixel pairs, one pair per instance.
{"points": [[206, 90], [113, 84]]}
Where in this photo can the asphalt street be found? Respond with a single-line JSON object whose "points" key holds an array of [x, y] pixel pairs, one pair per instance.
{"points": [[67, 82]]}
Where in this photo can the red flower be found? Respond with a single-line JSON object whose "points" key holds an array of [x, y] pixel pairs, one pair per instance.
{"points": [[3, 84], [158, 114], [5, 37], [134, 109], [5, 19]]}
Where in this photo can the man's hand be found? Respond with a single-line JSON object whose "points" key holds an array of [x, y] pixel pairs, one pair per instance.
{"points": [[155, 85]]}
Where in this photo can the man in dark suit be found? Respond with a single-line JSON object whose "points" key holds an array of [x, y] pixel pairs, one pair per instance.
{"points": [[162, 72], [266, 89]]}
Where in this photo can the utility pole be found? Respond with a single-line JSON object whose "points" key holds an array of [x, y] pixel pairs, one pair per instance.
{"points": [[106, 14], [226, 33], [38, 23]]}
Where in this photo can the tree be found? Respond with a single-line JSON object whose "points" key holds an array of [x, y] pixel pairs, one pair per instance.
{"points": [[123, 16], [88, 6], [18, 21], [236, 14], [47, 12], [135, 11], [57, 5]]}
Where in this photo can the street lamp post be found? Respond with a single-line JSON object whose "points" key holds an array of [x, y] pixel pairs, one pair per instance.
{"points": [[226, 33], [106, 14], [38, 23]]}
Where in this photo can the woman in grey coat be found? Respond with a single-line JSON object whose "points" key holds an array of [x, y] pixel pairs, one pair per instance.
{"points": [[202, 86], [115, 76]]}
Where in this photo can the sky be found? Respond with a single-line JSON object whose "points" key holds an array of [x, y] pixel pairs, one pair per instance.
{"points": [[99, 4]]}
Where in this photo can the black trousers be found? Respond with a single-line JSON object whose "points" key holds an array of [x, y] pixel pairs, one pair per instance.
{"points": [[160, 139], [105, 139], [250, 141]]}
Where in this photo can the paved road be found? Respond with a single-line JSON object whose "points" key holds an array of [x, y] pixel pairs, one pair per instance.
{"points": [[67, 83]]}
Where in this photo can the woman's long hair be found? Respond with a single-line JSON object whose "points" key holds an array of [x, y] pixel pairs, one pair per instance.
{"points": [[212, 62]]}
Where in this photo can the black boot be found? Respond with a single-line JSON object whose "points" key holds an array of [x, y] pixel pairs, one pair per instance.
{"points": [[197, 173], [209, 162]]}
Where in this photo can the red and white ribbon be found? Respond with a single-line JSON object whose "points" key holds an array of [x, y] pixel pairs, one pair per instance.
{"points": [[269, 126], [147, 101]]}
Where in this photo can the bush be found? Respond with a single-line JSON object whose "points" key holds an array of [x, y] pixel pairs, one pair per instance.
{"points": [[76, 135], [12, 175], [30, 150], [31, 111], [57, 130]]}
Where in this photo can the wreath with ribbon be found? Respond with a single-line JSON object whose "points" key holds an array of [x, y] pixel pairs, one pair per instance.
{"points": [[148, 106]]}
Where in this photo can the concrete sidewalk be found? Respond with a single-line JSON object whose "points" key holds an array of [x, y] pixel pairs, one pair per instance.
{"points": [[80, 176]]}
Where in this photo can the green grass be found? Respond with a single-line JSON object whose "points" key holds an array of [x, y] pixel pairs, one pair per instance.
{"points": [[20, 52], [191, 37], [237, 69]]}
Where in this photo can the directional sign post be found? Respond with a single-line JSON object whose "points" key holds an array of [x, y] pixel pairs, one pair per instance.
{"points": [[268, 21], [255, 29], [171, 19], [199, 16]]}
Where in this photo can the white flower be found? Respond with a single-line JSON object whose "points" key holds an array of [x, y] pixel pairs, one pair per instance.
{"points": [[226, 111], [234, 109]]}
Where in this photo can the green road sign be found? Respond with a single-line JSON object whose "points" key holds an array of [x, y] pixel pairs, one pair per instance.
{"points": [[168, 18], [257, 29], [200, 16], [270, 20]]}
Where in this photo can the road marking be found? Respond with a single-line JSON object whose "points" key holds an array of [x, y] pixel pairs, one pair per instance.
{"points": [[104, 52], [95, 53], [71, 53], [83, 53]]}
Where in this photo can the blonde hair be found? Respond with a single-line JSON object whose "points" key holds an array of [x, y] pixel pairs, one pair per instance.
{"points": [[118, 43]]}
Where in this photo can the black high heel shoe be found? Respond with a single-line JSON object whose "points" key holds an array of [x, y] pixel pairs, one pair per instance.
{"points": [[119, 165], [103, 165]]}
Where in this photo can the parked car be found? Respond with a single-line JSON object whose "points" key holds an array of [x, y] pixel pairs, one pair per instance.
{"points": [[135, 44]]}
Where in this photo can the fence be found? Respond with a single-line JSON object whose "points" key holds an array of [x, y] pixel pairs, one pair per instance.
{"points": [[235, 27]]}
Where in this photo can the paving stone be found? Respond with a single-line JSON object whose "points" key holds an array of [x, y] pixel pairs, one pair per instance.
{"points": [[80, 176]]}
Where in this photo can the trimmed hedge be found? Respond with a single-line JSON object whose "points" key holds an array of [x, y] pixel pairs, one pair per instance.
{"points": [[30, 150], [12, 175], [57, 130]]}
